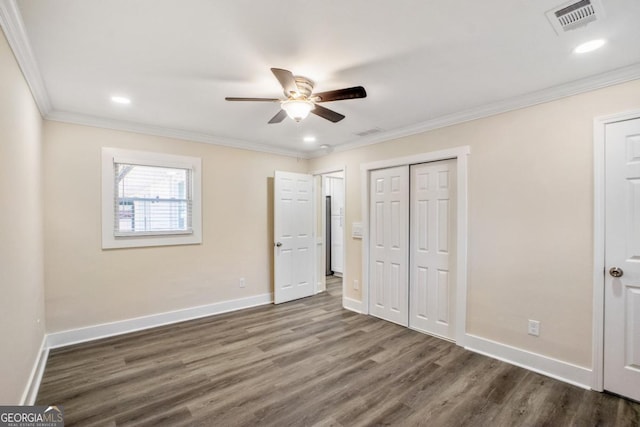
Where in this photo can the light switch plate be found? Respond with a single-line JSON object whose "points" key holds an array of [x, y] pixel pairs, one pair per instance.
{"points": [[356, 230]]}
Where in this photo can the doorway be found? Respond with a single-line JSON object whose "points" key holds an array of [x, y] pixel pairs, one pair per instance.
{"points": [[330, 223], [300, 227], [333, 187], [398, 259], [616, 255]]}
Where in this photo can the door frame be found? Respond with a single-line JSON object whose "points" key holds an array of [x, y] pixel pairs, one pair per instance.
{"points": [[326, 217], [320, 173], [599, 139], [461, 155]]}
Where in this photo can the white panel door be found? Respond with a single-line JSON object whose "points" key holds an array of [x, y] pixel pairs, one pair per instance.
{"points": [[337, 223], [622, 251], [293, 231], [432, 240], [388, 245]]}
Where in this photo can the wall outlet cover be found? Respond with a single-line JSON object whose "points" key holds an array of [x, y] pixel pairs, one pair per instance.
{"points": [[534, 328]]}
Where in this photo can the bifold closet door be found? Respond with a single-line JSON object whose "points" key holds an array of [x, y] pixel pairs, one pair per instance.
{"points": [[432, 281], [389, 233]]}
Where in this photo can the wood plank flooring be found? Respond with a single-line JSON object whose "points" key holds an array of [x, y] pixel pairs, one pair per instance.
{"points": [[307, 363]]}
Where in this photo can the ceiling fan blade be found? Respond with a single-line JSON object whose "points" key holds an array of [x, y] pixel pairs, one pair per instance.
{"points": [[231, 98], [287, 81], [340, 94], [325, 113], [278, 117]]}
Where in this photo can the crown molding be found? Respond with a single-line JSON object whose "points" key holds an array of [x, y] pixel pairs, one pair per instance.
{"points": [[121, 125], [599, 81], [11, 23]]}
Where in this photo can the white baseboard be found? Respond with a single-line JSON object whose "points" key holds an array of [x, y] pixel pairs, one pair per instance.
{"points": [[33, 385], [352, 304], [90, 333], [557, 369]]}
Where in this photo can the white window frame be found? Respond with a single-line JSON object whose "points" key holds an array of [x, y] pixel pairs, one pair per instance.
{"points": [[110, 240]]}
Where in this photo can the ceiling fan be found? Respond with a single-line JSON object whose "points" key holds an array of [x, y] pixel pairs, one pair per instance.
{"points": [[301, 101]]}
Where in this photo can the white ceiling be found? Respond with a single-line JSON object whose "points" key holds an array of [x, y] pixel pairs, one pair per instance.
{"points": [[421, 62]]}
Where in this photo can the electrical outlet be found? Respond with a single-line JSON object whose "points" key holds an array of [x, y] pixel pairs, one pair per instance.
{"points": [[534, 328], [356, 285], [242, 282]]}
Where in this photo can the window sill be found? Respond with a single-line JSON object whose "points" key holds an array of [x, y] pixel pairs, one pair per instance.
{"points": [[118, 242]]}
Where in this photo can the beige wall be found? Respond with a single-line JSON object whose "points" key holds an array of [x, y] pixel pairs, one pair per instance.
{"points": [[87, 285], [530, 217], [21, 249]]}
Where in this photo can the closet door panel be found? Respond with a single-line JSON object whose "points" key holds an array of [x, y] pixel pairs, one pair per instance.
{"points": [[432, 237], [389, 243]]}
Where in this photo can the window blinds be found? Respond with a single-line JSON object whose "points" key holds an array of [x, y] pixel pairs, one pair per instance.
{"points": [[151, 200]]}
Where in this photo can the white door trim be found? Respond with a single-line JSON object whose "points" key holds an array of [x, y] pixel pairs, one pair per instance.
{"points": [[460, 154], [599, 125], [321, 172]]}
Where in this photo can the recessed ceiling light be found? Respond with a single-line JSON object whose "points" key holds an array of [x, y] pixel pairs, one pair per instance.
{"points": [[120, 100], [309, 139], [589, 46]]}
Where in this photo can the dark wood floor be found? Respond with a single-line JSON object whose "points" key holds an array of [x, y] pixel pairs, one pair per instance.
{"points": [[307, 363]]}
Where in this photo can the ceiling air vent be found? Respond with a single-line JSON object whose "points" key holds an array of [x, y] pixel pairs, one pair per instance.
{"points": [[369, 132], [570, 16]]}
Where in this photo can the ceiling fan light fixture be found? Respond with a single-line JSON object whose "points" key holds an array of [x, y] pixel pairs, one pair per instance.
{"points": [[297, 109]]}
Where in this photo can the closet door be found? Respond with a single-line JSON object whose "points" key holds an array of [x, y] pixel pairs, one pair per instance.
{"points": [[389, 234], [432, 248]]}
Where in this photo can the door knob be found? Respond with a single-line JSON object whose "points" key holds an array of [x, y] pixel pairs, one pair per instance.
{"points": [[278, 244], [616, 272]]}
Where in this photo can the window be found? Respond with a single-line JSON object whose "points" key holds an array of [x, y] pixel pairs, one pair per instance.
{"points": [[149, 199]]}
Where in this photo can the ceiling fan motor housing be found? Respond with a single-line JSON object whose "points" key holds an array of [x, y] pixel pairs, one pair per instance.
{"points": [[305, 87]]}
